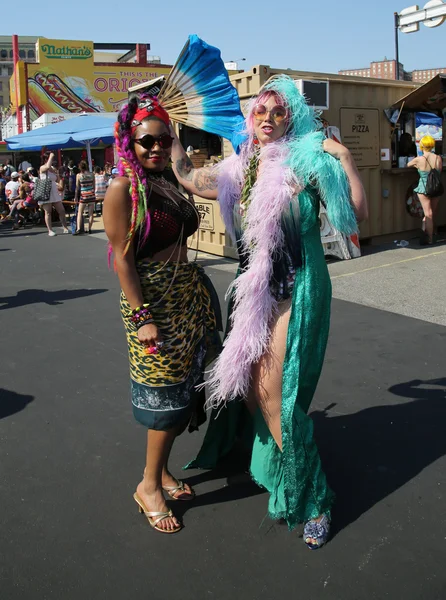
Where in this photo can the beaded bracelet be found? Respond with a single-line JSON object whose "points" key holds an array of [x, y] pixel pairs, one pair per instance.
{"points": [[141, 316], [147, 321], [140, 313]]}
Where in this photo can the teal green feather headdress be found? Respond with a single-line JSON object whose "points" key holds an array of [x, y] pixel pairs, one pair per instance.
{"points": [[307, 158]]}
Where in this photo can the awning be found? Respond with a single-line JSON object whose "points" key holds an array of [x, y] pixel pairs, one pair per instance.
{"points": [[86, 130], [72, 133], [430, 97]]}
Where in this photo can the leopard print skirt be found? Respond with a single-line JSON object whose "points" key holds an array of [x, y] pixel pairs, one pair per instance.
{"points": [[163, 385]]}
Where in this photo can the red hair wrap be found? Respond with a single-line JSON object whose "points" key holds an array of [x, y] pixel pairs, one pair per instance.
{"points": [[149, 107]]}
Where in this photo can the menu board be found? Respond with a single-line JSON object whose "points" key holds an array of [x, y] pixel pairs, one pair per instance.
{"points": [[360, 134]]}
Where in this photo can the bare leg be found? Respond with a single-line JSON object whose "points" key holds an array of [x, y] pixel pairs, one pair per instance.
{"points": [[267, 374], [159, 445], [61, 212], [48, 221], [167, 479], [267, 377], [428, 215], [80, 216], [90, 215], [434, 204], [14, 207]]}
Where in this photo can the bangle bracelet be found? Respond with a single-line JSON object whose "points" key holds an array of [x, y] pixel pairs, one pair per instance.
{"points": [[141, 313], [141, 323]]}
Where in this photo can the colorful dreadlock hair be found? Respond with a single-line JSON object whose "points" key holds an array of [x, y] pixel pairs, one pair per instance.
{"points": [[130, 166]]}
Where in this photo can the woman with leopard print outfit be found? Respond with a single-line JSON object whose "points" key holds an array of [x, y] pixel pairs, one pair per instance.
{"points": [[169, 307]]}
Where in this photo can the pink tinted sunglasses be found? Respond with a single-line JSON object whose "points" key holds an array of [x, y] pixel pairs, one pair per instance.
{"points": [[277, 113]]}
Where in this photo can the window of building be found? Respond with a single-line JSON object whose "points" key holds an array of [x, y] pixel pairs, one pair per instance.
{"points": [[1, 100], [11, 54], [10, 71], [31, 54], [3, 54], [22, 54], [1, 86]]}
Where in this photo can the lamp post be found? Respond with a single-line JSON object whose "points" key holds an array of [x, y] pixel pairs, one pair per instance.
{"points": [[237, 61], [397, 49], [408, 21]]}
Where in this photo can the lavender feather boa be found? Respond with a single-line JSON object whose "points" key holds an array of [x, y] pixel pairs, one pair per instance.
{"points": [[286, 167], [254, 305]]}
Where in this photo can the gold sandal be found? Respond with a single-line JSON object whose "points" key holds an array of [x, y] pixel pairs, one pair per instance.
{"points": [[171, 491], [154, 517]]}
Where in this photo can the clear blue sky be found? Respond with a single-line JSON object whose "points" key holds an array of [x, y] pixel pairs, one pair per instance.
{"points": [[318, 35]]}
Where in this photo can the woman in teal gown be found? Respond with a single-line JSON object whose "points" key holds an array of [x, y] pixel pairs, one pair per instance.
{"points": [[269, 195]]}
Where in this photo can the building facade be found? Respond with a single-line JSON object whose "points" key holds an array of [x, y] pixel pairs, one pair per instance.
{"points": [[27, 52], [386, 69], [383, 69], [421, 76]]}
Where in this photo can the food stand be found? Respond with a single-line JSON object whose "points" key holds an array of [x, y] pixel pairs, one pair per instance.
{"points": [[357, 108]]}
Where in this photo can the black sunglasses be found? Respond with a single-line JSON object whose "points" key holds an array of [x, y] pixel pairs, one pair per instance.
{"points": [[147, 141]]}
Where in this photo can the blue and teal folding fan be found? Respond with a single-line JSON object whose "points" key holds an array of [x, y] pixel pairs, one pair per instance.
{"points": [[198, 93]]}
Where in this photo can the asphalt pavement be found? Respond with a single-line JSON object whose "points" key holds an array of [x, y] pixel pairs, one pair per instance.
{"points": [[72, 453]]}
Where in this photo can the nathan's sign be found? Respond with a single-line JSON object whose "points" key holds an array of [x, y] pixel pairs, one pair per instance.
{"points": [[65, 79], [63, 50], [66, 52]]}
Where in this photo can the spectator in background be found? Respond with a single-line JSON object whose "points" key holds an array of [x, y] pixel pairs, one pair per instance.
{"points": [[13, 195], [114, 173], [424, 164], [26, 191], [48, 171], [8, 169], [3, 209], [33, 175], [25, 199], [69, 182], [85, 185], [107, 171], [25, 164], [100, 185], [12, 188], [407, 146]]}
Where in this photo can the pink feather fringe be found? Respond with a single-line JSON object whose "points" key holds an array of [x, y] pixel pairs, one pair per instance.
{"points": [[254, 306]]}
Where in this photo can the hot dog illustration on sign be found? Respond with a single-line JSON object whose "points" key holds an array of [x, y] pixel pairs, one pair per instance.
{"points": [[49, 94]]}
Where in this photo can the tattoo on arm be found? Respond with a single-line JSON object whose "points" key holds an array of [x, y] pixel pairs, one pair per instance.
{"points": [[203, 179], [185, 168]]}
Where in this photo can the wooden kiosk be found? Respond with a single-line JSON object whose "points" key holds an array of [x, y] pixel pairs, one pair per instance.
{"points": [[357, 108]]}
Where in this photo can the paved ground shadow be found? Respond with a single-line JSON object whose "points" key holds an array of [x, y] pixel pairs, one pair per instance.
{"points": [[233, 468], [9, 232], [369, 454], [52, 298], [11, 402]]}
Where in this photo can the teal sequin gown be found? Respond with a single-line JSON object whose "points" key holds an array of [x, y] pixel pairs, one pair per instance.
{"points": [[294, 478]]}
